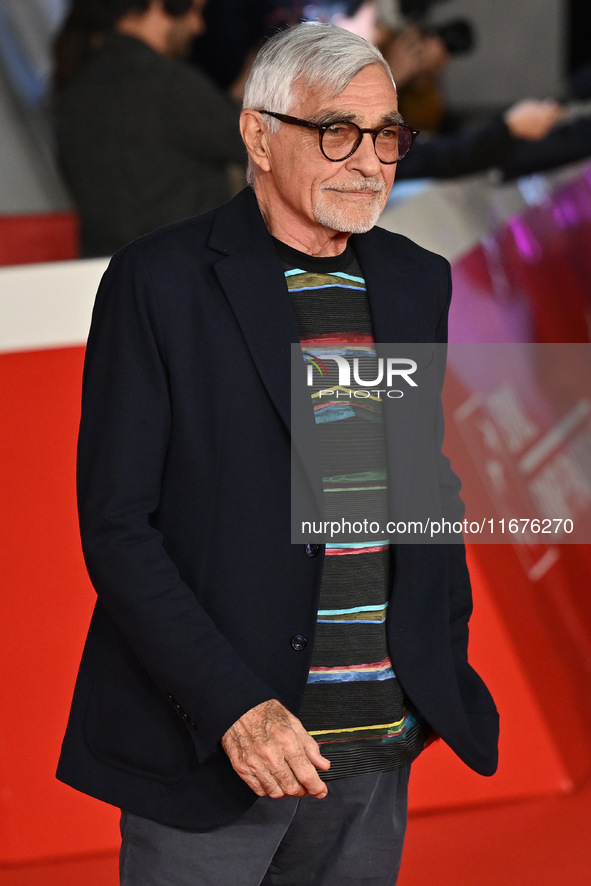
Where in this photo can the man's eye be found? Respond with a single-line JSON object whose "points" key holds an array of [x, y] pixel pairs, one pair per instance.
{"points": [[388, 134], [338, 128]]}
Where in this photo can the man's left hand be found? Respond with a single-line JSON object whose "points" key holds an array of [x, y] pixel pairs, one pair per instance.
{"points": [[272, 752]]}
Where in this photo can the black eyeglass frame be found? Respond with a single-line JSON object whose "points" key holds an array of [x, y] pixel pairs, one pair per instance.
{"points": [[323, 127]]}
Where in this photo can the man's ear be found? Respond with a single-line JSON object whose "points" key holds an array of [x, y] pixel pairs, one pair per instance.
{"points": [[255, 136]]}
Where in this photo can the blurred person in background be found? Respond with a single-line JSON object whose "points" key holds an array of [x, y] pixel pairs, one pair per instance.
{"points": [[418, 55], [530, 136], [226, 52], [418, 51], [143, 138], [234, 31]]}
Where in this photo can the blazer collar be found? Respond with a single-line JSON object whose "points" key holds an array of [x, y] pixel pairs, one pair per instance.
{"points": [[251, 275], [239, 232]]}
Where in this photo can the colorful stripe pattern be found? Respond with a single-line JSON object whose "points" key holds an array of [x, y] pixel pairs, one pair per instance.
{"points": [[381, 670], [353, 704]]}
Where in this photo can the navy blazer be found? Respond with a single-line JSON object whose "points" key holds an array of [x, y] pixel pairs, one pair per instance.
{"points": [[184, 501]]}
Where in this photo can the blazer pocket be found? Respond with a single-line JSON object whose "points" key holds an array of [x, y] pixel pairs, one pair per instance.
{"points": [[130, 725]]}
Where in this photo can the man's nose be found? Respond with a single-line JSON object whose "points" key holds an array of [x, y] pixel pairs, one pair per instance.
{"points": [[365, 158]]}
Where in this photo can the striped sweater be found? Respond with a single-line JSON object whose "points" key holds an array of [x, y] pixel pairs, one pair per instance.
{"points": [[353, 705]]}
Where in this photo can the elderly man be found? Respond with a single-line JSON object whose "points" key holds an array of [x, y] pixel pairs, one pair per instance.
{"points": [[252, 705]]}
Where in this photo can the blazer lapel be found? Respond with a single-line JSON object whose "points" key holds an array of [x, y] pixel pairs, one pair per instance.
{"points": [[393, 287], [391, 282], [252, 278]]}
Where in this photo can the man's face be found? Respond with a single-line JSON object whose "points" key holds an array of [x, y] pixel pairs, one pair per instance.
{"points": [[309, 191], [184, 29]]}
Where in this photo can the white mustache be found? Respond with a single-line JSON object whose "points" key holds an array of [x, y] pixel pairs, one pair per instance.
{"points": [[363, 185]]}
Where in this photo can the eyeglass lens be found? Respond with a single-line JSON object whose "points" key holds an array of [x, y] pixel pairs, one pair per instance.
{"points": [[341, 139]]}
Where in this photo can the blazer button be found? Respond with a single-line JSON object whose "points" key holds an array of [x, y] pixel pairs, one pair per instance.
{"points": [[299, 642], [312, 550]]}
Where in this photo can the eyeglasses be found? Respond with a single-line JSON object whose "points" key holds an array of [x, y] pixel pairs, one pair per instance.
{"points": [[340, 139]]}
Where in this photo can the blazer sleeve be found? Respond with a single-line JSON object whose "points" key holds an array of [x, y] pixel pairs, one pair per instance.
{"points": [[124, 433]]}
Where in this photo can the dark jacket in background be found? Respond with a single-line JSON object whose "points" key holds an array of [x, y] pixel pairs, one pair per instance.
{"points": [[474, 149], [490, 145], [143, 140], [568, 143]]}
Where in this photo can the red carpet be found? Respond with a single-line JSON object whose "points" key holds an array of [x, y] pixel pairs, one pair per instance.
{"points": [[542, 842]]}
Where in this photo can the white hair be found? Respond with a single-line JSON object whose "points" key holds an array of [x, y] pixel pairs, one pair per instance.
{"points": [[317, 54]]}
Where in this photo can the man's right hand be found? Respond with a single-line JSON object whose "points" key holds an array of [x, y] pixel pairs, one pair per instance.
{"points": [[272, 752]]}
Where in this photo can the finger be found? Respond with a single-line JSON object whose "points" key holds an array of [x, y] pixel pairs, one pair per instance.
{"points": [[289, 783], [316, 787], [252, 770], [253, 783], [315, 754], [294, 776], [262, 782], [306, 775], [276, 760], [267, 765], [310, 746], [289, 762]]}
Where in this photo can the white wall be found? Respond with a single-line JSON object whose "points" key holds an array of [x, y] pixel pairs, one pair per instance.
{"points": [[519, 54]]}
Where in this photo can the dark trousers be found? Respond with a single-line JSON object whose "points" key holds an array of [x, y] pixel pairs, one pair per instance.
{"points": [[352, 837]]}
